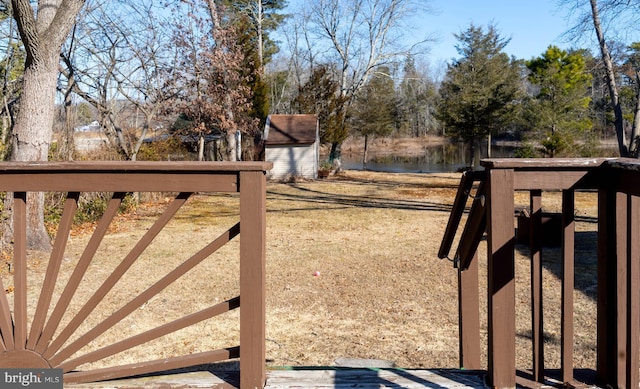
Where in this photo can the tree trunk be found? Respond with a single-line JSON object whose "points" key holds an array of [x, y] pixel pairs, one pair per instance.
{"points": [[238, 146], [231, 146], [611, 81], [43, 28], [140, 141], [364, 153], [474, 153], [335, 155], [32, 138], [634, 148], [201, 148], [67, 143]]}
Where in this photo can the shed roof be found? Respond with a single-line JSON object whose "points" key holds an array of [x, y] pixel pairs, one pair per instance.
{"points": [[291, 129]]}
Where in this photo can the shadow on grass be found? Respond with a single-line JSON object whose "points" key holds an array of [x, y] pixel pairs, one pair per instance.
{"points": [[585, 262], [323, 199]]}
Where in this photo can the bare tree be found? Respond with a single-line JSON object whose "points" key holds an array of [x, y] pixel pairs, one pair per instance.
{"points": [[614, 14], [43, 28], [263, 17], [214, 97], [90, 63], [359, 36], [122, 52]]}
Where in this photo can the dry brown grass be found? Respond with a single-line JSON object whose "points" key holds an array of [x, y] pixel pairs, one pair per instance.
{"points": [[382, 292]]}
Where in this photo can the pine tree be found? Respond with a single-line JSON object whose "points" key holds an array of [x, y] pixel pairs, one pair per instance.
{"points": [[480, 90], [253, 20], [561, 106]]}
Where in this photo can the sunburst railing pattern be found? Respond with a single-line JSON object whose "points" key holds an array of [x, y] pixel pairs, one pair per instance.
{"points": [[55, 336]]}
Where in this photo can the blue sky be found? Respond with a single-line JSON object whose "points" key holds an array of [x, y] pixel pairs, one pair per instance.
{"points": [[532, 25]]}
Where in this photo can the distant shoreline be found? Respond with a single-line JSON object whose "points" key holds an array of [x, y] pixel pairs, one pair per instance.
{"points": [[413, 146]]}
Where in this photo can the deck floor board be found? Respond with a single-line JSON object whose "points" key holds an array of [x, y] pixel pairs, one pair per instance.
{"points": [[320, 378]]}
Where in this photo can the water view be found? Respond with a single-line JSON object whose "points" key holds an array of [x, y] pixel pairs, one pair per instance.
{"points": [[436, 159]]}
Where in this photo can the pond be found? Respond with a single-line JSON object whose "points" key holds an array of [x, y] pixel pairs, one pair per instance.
{"points": [[436, 159]]}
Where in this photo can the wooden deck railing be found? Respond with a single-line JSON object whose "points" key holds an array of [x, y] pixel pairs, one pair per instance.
{"points": [[617, 182], [51, 342]]}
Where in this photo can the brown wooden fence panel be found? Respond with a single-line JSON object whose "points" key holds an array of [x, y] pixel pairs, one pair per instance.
{"points": [[58, 338], [618, 303]]}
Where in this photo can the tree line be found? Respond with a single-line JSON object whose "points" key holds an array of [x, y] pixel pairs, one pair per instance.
{"points": [[213, 67], [202, 68]]}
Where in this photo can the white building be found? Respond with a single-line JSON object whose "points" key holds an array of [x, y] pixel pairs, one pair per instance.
{"points": [[292, 143]]}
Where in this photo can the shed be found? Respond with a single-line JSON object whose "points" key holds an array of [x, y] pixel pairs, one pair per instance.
{"points": [[292, 144]]}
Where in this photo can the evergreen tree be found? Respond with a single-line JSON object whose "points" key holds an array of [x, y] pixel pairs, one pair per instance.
{"points": [[254, 19], [561, 106], [320, 95], [252, 74], [480, 90]]}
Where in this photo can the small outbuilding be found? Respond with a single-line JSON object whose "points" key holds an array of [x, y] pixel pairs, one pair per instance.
{"points": [[292, 144]]}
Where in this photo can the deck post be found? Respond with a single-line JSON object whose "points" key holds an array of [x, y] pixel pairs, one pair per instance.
{"points": [[252, 279], [633, 299], [620, 290], [568, 267], [610, 209], [469, 319], [501, 278]]}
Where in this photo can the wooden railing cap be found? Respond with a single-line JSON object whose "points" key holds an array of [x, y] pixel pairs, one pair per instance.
{"points": [[625, 163], [544, 163], [134, 166]]}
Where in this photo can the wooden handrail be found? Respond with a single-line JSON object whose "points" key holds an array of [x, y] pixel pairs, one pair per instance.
{"points": [[618, 184]]}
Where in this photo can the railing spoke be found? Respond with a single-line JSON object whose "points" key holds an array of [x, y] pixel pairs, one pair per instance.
{"points": [[62, 237], [568, 276], [469, 316], [20, 269], [153, 366], [535, 247], [79, 271], [152, 334]]}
